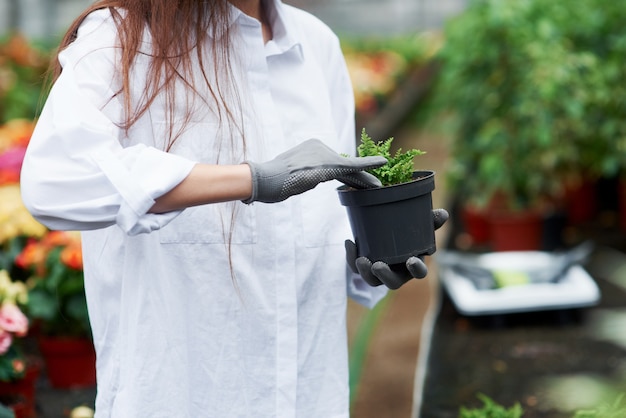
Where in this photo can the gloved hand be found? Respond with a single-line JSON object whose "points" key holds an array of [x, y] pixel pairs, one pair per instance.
{"points": [[303, 167], [392, 276]]}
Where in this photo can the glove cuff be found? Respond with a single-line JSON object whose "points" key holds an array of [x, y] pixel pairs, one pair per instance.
{"points": [[268, 181], [255, 187]]}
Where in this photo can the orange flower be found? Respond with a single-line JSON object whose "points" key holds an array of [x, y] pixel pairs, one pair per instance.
{"points": [[19, 50], [18, 366], [33, 254], [72, 256], [9, 177], [16, 133], [56, 239]]}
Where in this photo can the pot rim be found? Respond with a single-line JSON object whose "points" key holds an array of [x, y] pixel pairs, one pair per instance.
{"points": [[423, 182]]}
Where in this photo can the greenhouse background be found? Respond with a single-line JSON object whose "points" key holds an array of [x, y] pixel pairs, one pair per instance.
{"points": [[519, 105], [30, 30], [43, 18]]}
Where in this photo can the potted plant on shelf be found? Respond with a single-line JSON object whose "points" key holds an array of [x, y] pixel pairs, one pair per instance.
{"points": [[57, 303], [389, 76], [393, 222], [518, 95], [19, 366], [50, 263], [599, 30]]}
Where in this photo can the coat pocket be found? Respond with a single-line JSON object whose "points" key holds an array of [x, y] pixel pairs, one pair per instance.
{"points": [[218, 223]]}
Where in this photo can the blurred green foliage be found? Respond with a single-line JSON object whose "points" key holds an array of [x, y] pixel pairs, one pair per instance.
{"points": [[415, 48], [535, 89], [616, 409], [379, 65], [23, 66]]}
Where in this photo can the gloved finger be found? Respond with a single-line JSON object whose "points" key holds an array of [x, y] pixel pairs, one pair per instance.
{"points": [[364, 266], [360, 180], [357, 163], [302, 168], [351, 255], [440, 216], [393, 279], [416, 267], [328, 158]]}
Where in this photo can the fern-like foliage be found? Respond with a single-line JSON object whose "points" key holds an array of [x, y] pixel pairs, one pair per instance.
{"points": [[399, 167], [491, 409]]}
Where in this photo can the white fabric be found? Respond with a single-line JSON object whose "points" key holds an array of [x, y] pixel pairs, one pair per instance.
{"points": [[176, 334]]}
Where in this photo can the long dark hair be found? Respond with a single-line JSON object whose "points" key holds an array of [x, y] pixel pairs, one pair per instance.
{"points": [[177, 28]]}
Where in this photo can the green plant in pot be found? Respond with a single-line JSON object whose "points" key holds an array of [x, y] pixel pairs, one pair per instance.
{"points": [[600, 31], [58, 306], [518, 93], [56, 284], [392, 224]]}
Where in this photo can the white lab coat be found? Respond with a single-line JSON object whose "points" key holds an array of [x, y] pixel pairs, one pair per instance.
{"points": [[190, 317]]}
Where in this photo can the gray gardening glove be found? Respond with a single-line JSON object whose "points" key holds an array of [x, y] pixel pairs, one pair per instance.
{"points": [[393, 276], [303, 167]]}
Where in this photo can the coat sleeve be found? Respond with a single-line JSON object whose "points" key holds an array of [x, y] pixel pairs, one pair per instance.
{"points": [[76, 174]]}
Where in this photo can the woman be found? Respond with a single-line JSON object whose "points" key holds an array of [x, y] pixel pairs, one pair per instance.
{"points": [[203, 304]]}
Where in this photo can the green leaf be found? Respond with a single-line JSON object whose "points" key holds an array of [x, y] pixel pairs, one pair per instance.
{"points": [[42, 305], [491, 409], [399, 167]]}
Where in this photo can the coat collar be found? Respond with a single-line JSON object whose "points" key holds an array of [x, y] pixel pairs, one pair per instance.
{"points": [[286, 36]]}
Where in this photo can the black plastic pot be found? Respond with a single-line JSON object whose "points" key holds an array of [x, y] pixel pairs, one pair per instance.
{"points": [[392, 223]]}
